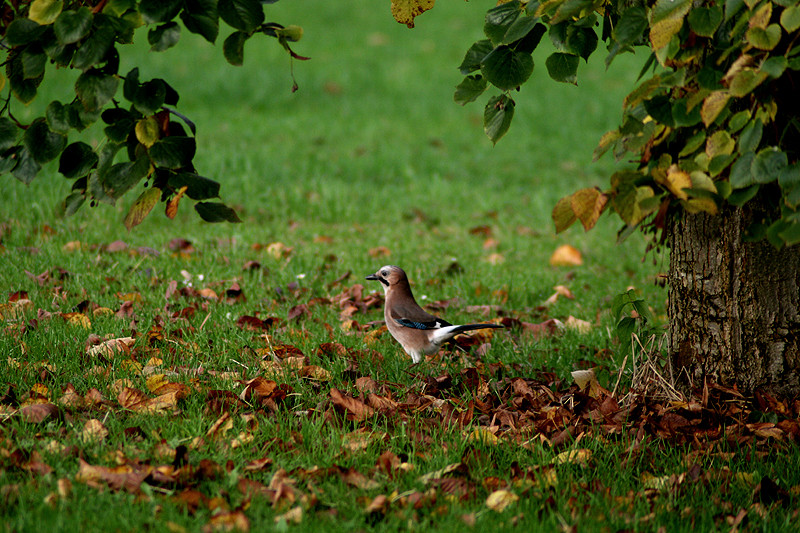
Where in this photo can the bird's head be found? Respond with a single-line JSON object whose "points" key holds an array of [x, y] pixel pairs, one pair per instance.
{"points": [[389, 276]]}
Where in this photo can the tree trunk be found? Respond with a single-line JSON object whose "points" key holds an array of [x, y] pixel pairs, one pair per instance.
{"points": [[734, 306]]}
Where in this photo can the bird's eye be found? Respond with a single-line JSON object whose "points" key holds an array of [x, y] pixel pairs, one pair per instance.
{"points": [[384, 273]]}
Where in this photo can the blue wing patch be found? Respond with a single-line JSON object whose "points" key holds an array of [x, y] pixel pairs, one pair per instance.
{"points": [[418, 325]]}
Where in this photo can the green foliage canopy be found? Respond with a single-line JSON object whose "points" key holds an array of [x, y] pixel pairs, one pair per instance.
{"points": [[713, 122], [146, 138]]}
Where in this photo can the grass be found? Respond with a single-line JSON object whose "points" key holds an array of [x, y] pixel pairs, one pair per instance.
{"points": [[370, 154]]}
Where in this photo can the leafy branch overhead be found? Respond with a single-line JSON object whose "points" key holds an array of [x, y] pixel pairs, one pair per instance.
{"points": [[712, 123], [146, 138]]}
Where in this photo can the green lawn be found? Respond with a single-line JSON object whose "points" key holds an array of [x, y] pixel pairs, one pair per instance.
{"points": [[369, 162]]}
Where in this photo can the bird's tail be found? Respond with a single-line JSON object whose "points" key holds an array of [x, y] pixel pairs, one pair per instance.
{"points": [[471, 327]]}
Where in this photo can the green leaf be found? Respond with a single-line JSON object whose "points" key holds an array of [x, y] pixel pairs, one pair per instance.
{"points": [[581, 41], [197, 187], [77, 160], [216, 212], [563, 215], [244, 15], [173, 152], [43, 143], [660, 108], [693, 143], [23, 88], [73, 25], [8, 134], [500, 19], [33, 62], [563, 67], [45, 11], [142, 207], [164, 36], [8, 159], [740, 197], [774, 231], [150, 97], [94, 49], [470, 89], [475, 55], [665, 9], [719, 163], [790, 176], [22, 31], [519, 29], [507, 69], [121, 124], [741, 173], [768, 165], [774, 66], [764, 38], [95, 89], [201, 17], [233, 48], [704, 21], [627, 203], [745, 81], [631, 26], [750, 137], [569, 9], [497, 116], [27, 167], [58, 117], [119, 178], [155, 11], [732, 7], [738, 121], [531, 40], [791, 235], [73, 202], [790, 18], [682, 116]]}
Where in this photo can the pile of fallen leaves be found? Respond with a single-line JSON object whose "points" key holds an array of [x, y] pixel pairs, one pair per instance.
{"points": [[483, 405]]}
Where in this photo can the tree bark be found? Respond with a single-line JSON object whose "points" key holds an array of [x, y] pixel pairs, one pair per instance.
{"points": [[734, 306]]}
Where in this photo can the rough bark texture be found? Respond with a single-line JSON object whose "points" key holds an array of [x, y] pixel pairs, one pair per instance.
{"points": [[734, 306]]}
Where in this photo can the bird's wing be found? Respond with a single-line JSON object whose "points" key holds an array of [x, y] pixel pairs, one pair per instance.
{"points": [[415, 317]]}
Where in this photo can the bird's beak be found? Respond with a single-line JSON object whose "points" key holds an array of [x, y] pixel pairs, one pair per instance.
{"points": [[372, 277]]}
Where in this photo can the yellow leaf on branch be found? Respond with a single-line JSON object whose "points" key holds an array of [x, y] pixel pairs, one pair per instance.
{"points": [[404, 11]]}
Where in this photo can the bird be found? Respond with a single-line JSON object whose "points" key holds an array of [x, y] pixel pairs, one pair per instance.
{"points": [[418, 332]]}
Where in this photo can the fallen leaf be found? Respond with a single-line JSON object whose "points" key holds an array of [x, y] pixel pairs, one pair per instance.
{"points": [[586, 380], [292, 516], [93, 431], [228, 521], [566, 255], [500, 500], [580, 326], [580, 456], [112, 346], [38, 412], [354, 409]]}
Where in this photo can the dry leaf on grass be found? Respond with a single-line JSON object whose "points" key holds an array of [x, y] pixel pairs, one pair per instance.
{"points": [[566, 255]]}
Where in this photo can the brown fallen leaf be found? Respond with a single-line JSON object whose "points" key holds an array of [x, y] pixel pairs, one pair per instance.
{"points": [[117, 478], [292, 516], [93, 431], [112, 346], [566, 255], [228, 521], [354, 409], [38, 412]]}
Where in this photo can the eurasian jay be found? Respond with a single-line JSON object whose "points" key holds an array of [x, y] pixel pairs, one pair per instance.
{"points": [[419, 332]]}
